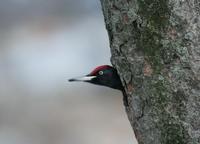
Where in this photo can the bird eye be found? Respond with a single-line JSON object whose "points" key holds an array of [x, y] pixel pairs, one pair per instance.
{"points": [[100, 72]]}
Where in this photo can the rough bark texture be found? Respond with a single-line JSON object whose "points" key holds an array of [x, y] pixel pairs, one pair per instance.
{"points": [[155, 46]]}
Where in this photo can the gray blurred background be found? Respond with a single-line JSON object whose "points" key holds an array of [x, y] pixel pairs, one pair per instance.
{"points": [[44, 43]]}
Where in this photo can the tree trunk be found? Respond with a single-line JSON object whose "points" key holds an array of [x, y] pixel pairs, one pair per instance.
{"points": [[155, 46]]}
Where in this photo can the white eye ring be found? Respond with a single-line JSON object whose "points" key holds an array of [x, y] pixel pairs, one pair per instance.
{"points": [[100, 72]]}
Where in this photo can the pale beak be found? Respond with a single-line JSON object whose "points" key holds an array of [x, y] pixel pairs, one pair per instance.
{"points": [[84, 78]]}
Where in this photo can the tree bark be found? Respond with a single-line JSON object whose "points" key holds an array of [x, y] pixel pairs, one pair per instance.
{"points": [[155, 46]]}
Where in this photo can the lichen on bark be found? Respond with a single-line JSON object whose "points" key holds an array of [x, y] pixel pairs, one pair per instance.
{"points": [[155, 46]]}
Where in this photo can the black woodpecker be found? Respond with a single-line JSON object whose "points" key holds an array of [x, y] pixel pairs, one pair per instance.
{"points": [[104, 75]]}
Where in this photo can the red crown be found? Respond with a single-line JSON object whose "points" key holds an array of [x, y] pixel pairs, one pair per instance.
{"points": [[99, 68]]}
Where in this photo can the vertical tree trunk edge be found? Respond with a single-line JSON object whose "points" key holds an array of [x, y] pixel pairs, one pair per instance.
{"points": [[155, 46]]}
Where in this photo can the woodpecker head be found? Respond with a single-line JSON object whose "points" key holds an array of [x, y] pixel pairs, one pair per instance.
{"points": [[104, 75]]}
